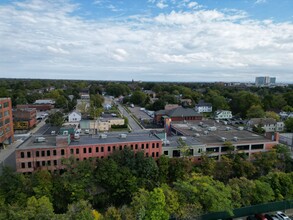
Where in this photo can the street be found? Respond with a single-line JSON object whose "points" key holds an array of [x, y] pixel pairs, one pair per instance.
{"points": [[132, 123]]}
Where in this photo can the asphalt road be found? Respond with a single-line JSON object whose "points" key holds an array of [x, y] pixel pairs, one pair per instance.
{"points": [[134, 126]]}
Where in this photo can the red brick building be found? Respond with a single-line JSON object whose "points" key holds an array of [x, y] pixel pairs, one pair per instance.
{"points": [[6, 122], [47, 152], [177, 114], [24, 118], [39, 107]]}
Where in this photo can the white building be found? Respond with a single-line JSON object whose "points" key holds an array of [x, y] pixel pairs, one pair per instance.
{"points": [[223, 114], [203, 107], [74, 116], [268, 124], [45, 101]]}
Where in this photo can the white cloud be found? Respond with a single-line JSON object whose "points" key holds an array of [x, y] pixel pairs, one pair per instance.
{"points": [[260, 1], [161, 5], [192, 4], [203, 45]]}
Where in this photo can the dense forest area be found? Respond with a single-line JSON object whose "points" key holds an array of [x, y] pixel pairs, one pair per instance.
{"points": [[131, 186]]}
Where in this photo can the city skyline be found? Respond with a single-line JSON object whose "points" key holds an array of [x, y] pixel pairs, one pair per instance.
{"points": [[151, 40]]}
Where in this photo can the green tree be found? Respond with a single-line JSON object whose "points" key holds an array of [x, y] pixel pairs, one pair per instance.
{"points": [[212, 195], [40, 208], [255, 111], [138, 98], [55, 119], [80, 210], [289, 124], [273, 115]]}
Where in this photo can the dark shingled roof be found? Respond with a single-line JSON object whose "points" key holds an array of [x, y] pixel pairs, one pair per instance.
{"points": [[179, 112]]}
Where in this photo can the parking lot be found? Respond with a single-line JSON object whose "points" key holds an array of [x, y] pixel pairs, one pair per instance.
{"points": [[140, 114]]}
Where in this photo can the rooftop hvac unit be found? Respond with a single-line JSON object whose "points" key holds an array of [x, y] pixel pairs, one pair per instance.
{"points": [[235, 139], [40, 139], [223, 139], [123, 135], [212, 128], [183, 138], [193, 128], [103, 136]]}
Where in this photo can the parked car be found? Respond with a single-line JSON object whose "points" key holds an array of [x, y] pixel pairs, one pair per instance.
{"points": [[282, 216], [260, 217], [271, 217], [251, 218]]}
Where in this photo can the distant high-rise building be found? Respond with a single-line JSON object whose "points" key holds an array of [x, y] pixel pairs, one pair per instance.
{"points": [[264, 80]]}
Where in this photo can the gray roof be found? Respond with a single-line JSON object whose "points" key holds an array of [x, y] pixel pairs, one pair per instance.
{"points": [[179, 112], [262, 121], [50, 141], [203, 103]]}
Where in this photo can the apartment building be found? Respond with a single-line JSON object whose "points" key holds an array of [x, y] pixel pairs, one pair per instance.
{"points": [[46, 152], [6, 122]]}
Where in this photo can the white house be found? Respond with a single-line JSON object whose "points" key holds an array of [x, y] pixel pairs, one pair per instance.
{"points": [[268, 124], [223, 114], [74, 116], [203, 107]]}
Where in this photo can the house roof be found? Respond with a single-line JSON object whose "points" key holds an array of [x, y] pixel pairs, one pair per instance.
{"points": [[263, 121], [203, 103], [179, 112], [76, 112]]}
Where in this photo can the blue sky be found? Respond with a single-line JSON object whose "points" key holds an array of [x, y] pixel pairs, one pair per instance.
{"points": [[149, 40]]}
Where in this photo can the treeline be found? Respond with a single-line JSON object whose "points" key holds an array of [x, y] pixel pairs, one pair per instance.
{"points": [[245, 102], [131, 186]]}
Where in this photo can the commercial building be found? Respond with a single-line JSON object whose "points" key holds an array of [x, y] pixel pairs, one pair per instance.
{"points": [[24, 118], [265, 81], [6, 122], [211, 137], [177, 114], [46, 152], [39, 107]]}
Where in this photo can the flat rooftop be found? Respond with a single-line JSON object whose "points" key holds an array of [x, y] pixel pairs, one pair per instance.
{"points": [[50, 140], [211, 132]]}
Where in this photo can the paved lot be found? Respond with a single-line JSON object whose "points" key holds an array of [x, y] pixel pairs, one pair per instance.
{"points": [[139, 114]]}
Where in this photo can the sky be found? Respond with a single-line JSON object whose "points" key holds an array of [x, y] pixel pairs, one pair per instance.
{"points": [[147, 40]]}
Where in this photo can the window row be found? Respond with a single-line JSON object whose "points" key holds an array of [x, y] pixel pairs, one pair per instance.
{"points": [[39, 164], [85, 150], [43, 153]]}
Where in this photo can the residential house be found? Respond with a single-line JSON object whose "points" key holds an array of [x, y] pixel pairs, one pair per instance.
{"points": [[203, 106], [223, 114], [74, 116], [268, 124]]}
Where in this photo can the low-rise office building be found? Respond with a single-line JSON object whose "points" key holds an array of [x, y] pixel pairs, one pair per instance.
{"points": [[212, 138], [24, 118], [46, 152]]}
